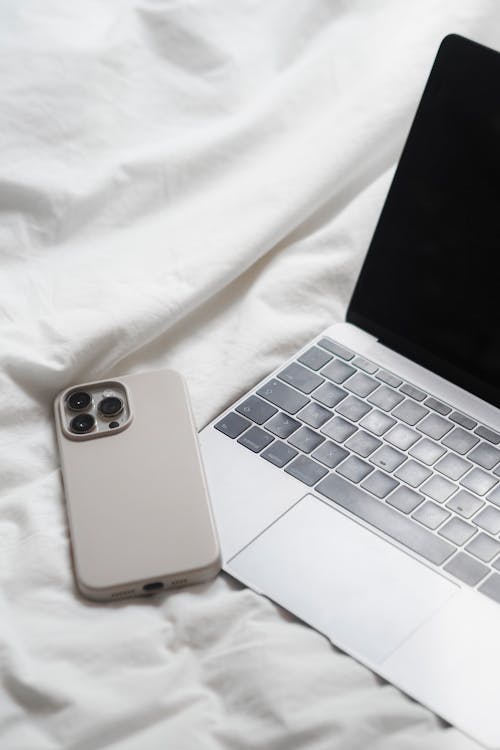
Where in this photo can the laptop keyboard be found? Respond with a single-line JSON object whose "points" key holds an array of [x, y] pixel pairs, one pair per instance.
{"points": [[405, 463]]}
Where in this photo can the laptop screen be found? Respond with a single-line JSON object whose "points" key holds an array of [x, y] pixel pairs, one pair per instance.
{"points": [[430, 286]]}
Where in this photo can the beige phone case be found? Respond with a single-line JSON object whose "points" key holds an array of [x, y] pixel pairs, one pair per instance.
{"points": [[137, 499]]}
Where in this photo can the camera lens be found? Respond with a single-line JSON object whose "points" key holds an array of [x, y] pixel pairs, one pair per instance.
{"points": [[79, 400], [110, 406], [82, 423]]}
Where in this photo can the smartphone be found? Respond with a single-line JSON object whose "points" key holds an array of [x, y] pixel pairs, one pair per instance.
{"points": [[137, 501]]}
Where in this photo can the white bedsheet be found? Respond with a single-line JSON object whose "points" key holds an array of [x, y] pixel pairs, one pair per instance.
{"points": [[189, 184]]}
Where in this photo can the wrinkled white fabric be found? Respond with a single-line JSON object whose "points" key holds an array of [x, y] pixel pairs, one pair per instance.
{"points": [[186, 184]]}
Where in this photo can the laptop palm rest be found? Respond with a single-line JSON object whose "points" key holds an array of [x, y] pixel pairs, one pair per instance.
{"points": [[307, 562]]}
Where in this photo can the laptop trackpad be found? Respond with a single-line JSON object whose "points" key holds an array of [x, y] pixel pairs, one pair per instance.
{"points": [[356, 588]]}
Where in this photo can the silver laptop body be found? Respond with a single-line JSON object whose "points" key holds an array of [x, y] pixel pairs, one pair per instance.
{"points": [[358, 487]]}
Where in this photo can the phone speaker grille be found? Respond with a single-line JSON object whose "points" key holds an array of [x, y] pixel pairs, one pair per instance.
{"points": [[121, 594], [179, 582]]}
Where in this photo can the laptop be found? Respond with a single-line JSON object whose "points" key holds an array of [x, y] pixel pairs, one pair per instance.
{"points": [[358, 485]]}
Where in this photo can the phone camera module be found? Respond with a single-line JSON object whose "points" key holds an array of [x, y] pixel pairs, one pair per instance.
{"points": [[82, 423], [110, 406], [79, 400]]}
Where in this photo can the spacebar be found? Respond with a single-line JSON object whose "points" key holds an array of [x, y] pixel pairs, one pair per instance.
{"points": [[384, 518]]}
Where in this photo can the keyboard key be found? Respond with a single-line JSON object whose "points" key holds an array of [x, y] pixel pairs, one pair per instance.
{"points": [[282, 396], [387, 458], [301, 378], [232, 425], [413, 473], [464, 503], [389, 378], [452, 466], [485, 455], [384, 518], [353, 408], [361, 384], [315, 415], [329, 394], [365, 365], [430, 514], [487, 434], [438, 406], [494, 496], [338, 371], [427, 451], [488, 519], [466, 569], [338, 429], [330, 454], [484, 547], [279, 453], [363, 443], [479, 481], [409, 412], [410, 390], [354, 468], [462, 420], [405, 499], [491, 587], [385, 398], [337, 349], [256, 409], [438, 488], [315, 358], [402, 437], [305, 439], [435, 426], [282, 425], [255, 439], [306, 470], [379, 484], [377, 422], [460, 441], [457, 531]]}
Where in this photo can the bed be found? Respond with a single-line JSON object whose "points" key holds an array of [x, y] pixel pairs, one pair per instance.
{"points": [[189, 185]]}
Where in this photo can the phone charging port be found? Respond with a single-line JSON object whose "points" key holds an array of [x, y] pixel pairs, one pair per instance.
{"points": [[155, 586]]}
